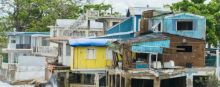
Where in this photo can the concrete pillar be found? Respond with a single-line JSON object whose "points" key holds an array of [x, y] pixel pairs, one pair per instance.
{"points": [[108, 82], [64, 53], [66, 81], [11, 59], [115, 85], [156, 82], [120, 80], [127, 82], [112, 81], [149, 60], [189, 80], [96, 80]]}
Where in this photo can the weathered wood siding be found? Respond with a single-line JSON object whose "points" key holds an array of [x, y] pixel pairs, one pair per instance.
{"points": [[199, 25]]}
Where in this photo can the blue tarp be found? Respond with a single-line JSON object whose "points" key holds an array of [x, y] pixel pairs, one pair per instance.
{"points": [[88, 42]]}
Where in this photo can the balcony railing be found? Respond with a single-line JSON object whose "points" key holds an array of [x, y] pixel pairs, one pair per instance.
{"points": [[46, 51], [12, 66], [23, 46], [78, 33]]}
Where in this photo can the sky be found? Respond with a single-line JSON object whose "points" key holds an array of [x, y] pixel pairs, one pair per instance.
{"points": [[122, 5]]}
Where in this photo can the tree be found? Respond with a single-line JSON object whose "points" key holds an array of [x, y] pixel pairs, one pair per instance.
{"points": [[210, 11], [36, 15]]}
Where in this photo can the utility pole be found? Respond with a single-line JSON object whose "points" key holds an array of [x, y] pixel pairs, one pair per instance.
{"points": [[217, 62]]}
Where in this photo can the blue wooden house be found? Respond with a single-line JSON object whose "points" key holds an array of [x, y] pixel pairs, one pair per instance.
{"points": [[183, 24], [129, 26], [185, 43]]}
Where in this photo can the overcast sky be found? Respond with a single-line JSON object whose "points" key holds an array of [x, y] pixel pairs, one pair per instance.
{"points": [[122, 5]]}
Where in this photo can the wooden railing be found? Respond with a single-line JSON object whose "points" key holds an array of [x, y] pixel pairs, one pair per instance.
{"points": [[46, 51]]}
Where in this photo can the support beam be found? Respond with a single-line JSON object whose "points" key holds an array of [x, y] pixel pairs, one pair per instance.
{"points": [[109, 82], [149, 60], [115, 85], [189, 80], [97, 80], [217, 64], [64, 53], [127, 82], [66, 81], [156, 82], [120, 80], [112, 83]]}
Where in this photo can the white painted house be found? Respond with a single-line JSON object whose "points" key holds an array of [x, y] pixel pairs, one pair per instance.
{"points": [[24, 64]]}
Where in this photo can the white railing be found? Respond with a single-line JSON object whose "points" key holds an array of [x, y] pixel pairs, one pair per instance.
{"points": [[79, 33], [80, 20], [46, 51], [92, 14], [12, 66]]}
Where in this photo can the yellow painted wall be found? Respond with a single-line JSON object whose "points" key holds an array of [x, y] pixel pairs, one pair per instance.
{"points": [[79, 58]]}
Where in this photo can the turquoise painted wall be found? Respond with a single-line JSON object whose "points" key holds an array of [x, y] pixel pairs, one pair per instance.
{"points": [[125, 26], [199, 25], [150, 47]]}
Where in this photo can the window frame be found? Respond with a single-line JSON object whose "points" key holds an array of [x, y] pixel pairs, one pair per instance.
{"points": [[185, 50], [114, 23], [108, 54], [185, 20], [87, 53]]}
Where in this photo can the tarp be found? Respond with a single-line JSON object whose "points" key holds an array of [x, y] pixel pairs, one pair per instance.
{"points": [[89, 42]]}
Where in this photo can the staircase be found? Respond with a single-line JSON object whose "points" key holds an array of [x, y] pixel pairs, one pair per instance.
{"points": [[80, 20], [69, 31]]}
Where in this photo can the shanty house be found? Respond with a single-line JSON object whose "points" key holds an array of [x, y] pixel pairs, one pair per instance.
{"points": [[90, 58], [163, 42]]}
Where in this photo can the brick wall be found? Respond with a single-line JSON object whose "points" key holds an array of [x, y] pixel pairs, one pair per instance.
{"points": [[196, 57]]}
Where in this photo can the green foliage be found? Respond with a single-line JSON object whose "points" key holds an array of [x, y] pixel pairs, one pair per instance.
{"points": [[198, 1], [102, 8], [207, 81], [210, 11], [36, 15]]}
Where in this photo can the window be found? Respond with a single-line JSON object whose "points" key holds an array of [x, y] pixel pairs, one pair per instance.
{"points": [[109, 53], [13, 41], [68, 50], [114, 23], [45, 42], [91, 53], [184, 49], [184, 25]]}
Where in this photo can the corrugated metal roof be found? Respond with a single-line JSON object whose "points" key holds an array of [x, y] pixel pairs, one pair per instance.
{"points": [[149, 38]]}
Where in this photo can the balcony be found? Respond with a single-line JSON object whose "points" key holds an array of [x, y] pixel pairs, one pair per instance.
{"points": [[78, 33], [46, 51], [23, 46], [12, 66]]}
